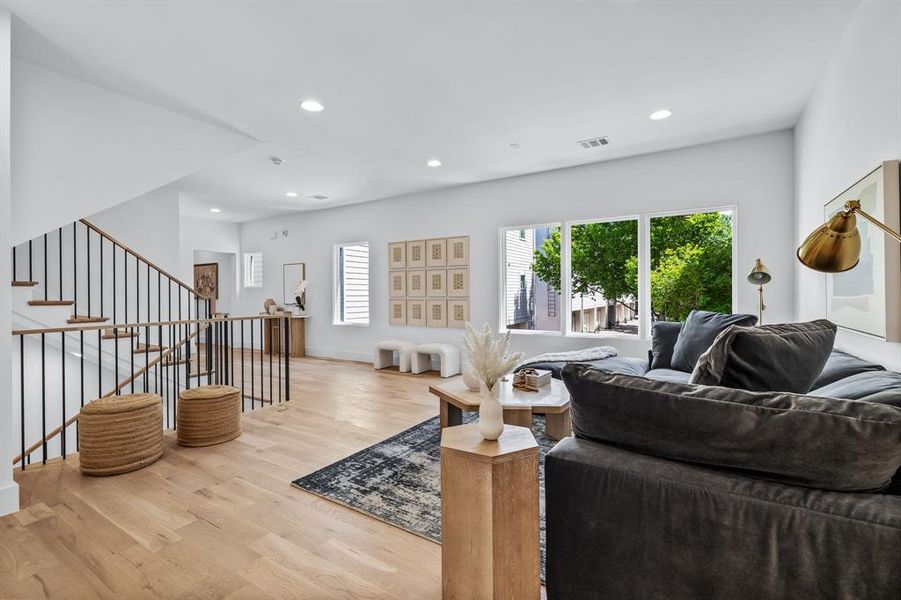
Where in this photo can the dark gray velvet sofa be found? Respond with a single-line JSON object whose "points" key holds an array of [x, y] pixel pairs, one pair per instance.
{"points": [[755, 495]]}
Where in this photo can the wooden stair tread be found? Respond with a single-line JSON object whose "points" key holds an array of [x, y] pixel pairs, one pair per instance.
{"points": [[51, 302], [24, 283], [118, 335], [174, 363], [145, 349], [81, 319]]}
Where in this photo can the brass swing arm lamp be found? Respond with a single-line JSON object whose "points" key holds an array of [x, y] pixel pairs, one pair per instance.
{"points": [[834, 247]]}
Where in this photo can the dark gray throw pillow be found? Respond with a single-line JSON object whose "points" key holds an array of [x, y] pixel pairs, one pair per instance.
{"points": [[821, 443], [700, 329], [664, 335], [782, 358], [841, 365]]}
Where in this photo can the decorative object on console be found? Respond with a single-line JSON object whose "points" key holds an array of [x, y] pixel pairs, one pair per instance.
{"points": [[488, 355], [293, 275], [270, 307], [300, 295], [530, 380], [759, 276], [867, 299], [436, 296]]}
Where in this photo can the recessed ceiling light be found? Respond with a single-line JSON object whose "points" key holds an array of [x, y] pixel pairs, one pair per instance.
{"points": [[659, 115], [215, 210], [291, 194], [311, 105], [434, 163]]}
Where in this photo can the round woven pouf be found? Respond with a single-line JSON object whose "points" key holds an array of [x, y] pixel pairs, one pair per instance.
{"points": [[209, 414], [120, 434]]}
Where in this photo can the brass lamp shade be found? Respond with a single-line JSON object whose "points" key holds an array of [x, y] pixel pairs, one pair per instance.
{"points": [[759, 274], [835, 246]]}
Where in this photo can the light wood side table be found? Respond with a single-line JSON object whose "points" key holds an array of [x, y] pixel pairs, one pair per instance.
{"points": [[489, 515]]}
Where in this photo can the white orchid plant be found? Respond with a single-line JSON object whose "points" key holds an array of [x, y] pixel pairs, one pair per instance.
{"points": [[488, 354], [300, 293]]}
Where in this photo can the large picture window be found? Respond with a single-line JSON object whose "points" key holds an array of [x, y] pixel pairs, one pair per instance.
{"points": [[591, 277], [531, 278], [691, 264], [352, 284]]}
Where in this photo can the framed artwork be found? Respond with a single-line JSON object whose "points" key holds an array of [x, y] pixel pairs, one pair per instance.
{"points": [[416, 284], [416, 254], [416, 313], [292, 274], [397, 312], [397, 284], [458, 283], [436, 283], [436, 252], [396, 255], [436, 313], [457, 313], [206, 280], [458, 251], [867, 298]]}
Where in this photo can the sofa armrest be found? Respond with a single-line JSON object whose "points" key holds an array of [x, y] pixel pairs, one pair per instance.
{"points": [[627, 525]]}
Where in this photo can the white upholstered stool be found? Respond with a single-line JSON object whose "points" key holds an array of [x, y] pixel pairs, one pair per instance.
{"points": [[448, 354], [384, 354]]}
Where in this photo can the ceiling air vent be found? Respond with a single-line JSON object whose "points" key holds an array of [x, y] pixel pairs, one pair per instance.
{"points": [[593, 143], [317, 197]]}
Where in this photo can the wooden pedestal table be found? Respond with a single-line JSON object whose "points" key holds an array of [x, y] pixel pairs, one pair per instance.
{"points": [[273, 344], [489, 515], [552, 401]]}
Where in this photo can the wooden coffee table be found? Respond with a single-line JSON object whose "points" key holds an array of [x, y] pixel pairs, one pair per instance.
{"points": [[552, 401]]}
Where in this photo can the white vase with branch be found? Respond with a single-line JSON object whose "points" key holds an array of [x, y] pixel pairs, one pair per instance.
{"points": [[489, 358]]}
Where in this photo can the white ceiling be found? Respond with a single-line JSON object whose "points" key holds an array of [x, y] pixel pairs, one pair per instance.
{"points": [[403, 82]]}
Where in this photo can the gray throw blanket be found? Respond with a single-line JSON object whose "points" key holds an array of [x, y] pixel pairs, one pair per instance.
{"points": [[596, 353]]}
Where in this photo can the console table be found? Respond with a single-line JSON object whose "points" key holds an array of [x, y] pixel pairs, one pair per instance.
{"points": [[273, 344], [489, 515]]}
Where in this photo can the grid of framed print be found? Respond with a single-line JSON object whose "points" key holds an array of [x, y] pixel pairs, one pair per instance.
{"points": [[428, 282]]}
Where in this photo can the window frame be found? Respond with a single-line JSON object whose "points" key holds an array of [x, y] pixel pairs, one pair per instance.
{"points": [[644, 270], [336, 284], [248, 270]]}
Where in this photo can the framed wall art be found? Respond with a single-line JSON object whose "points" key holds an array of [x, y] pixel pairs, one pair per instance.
{"points": [[397, 312], [867, 298], [436, 313], [416, 313], [397, 252], [397, 284]]}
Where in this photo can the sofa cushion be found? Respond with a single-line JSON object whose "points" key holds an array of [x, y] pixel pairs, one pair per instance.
{"points": [[613, 364], [668, 375], [663, 341], [841, 365], [784, 358], [891, 397], [823, 443], [700, 329], [858, 386]]}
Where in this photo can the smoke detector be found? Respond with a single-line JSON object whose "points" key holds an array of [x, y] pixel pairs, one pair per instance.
{"points": [[277, 160], [593, 142]]}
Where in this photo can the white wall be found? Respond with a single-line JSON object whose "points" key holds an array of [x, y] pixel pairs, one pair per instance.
{"points": [[80, 148], [9, 490], [754, 173], [208, 235], [851, 124]]}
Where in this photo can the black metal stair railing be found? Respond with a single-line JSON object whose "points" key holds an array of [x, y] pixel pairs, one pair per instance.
{"points": [[56, 377]]}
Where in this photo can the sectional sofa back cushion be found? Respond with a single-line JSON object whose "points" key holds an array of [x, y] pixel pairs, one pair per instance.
{"points": [[782, 358], [664, 335], [841, 365], [821, 443], [862, 386], [697, 334]]}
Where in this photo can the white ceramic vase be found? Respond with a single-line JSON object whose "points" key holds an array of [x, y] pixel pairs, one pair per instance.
{"points": [[471, 379], [491, 415]]}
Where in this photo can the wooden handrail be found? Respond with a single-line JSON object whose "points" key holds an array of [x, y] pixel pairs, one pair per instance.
{"points": [[129, 250], [78, 328]]}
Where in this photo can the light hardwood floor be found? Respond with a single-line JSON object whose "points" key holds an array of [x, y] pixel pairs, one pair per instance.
{"points": [[223, 521]]}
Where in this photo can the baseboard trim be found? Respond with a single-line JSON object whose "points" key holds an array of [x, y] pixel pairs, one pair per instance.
{"points": [[338, 355], [9, 498]]}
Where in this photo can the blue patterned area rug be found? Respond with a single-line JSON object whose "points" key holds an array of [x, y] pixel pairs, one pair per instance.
{"points": [[398, 481]]}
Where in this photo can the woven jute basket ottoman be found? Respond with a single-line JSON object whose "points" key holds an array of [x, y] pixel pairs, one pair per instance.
{"points": [[120, 434], [209, 414]]}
